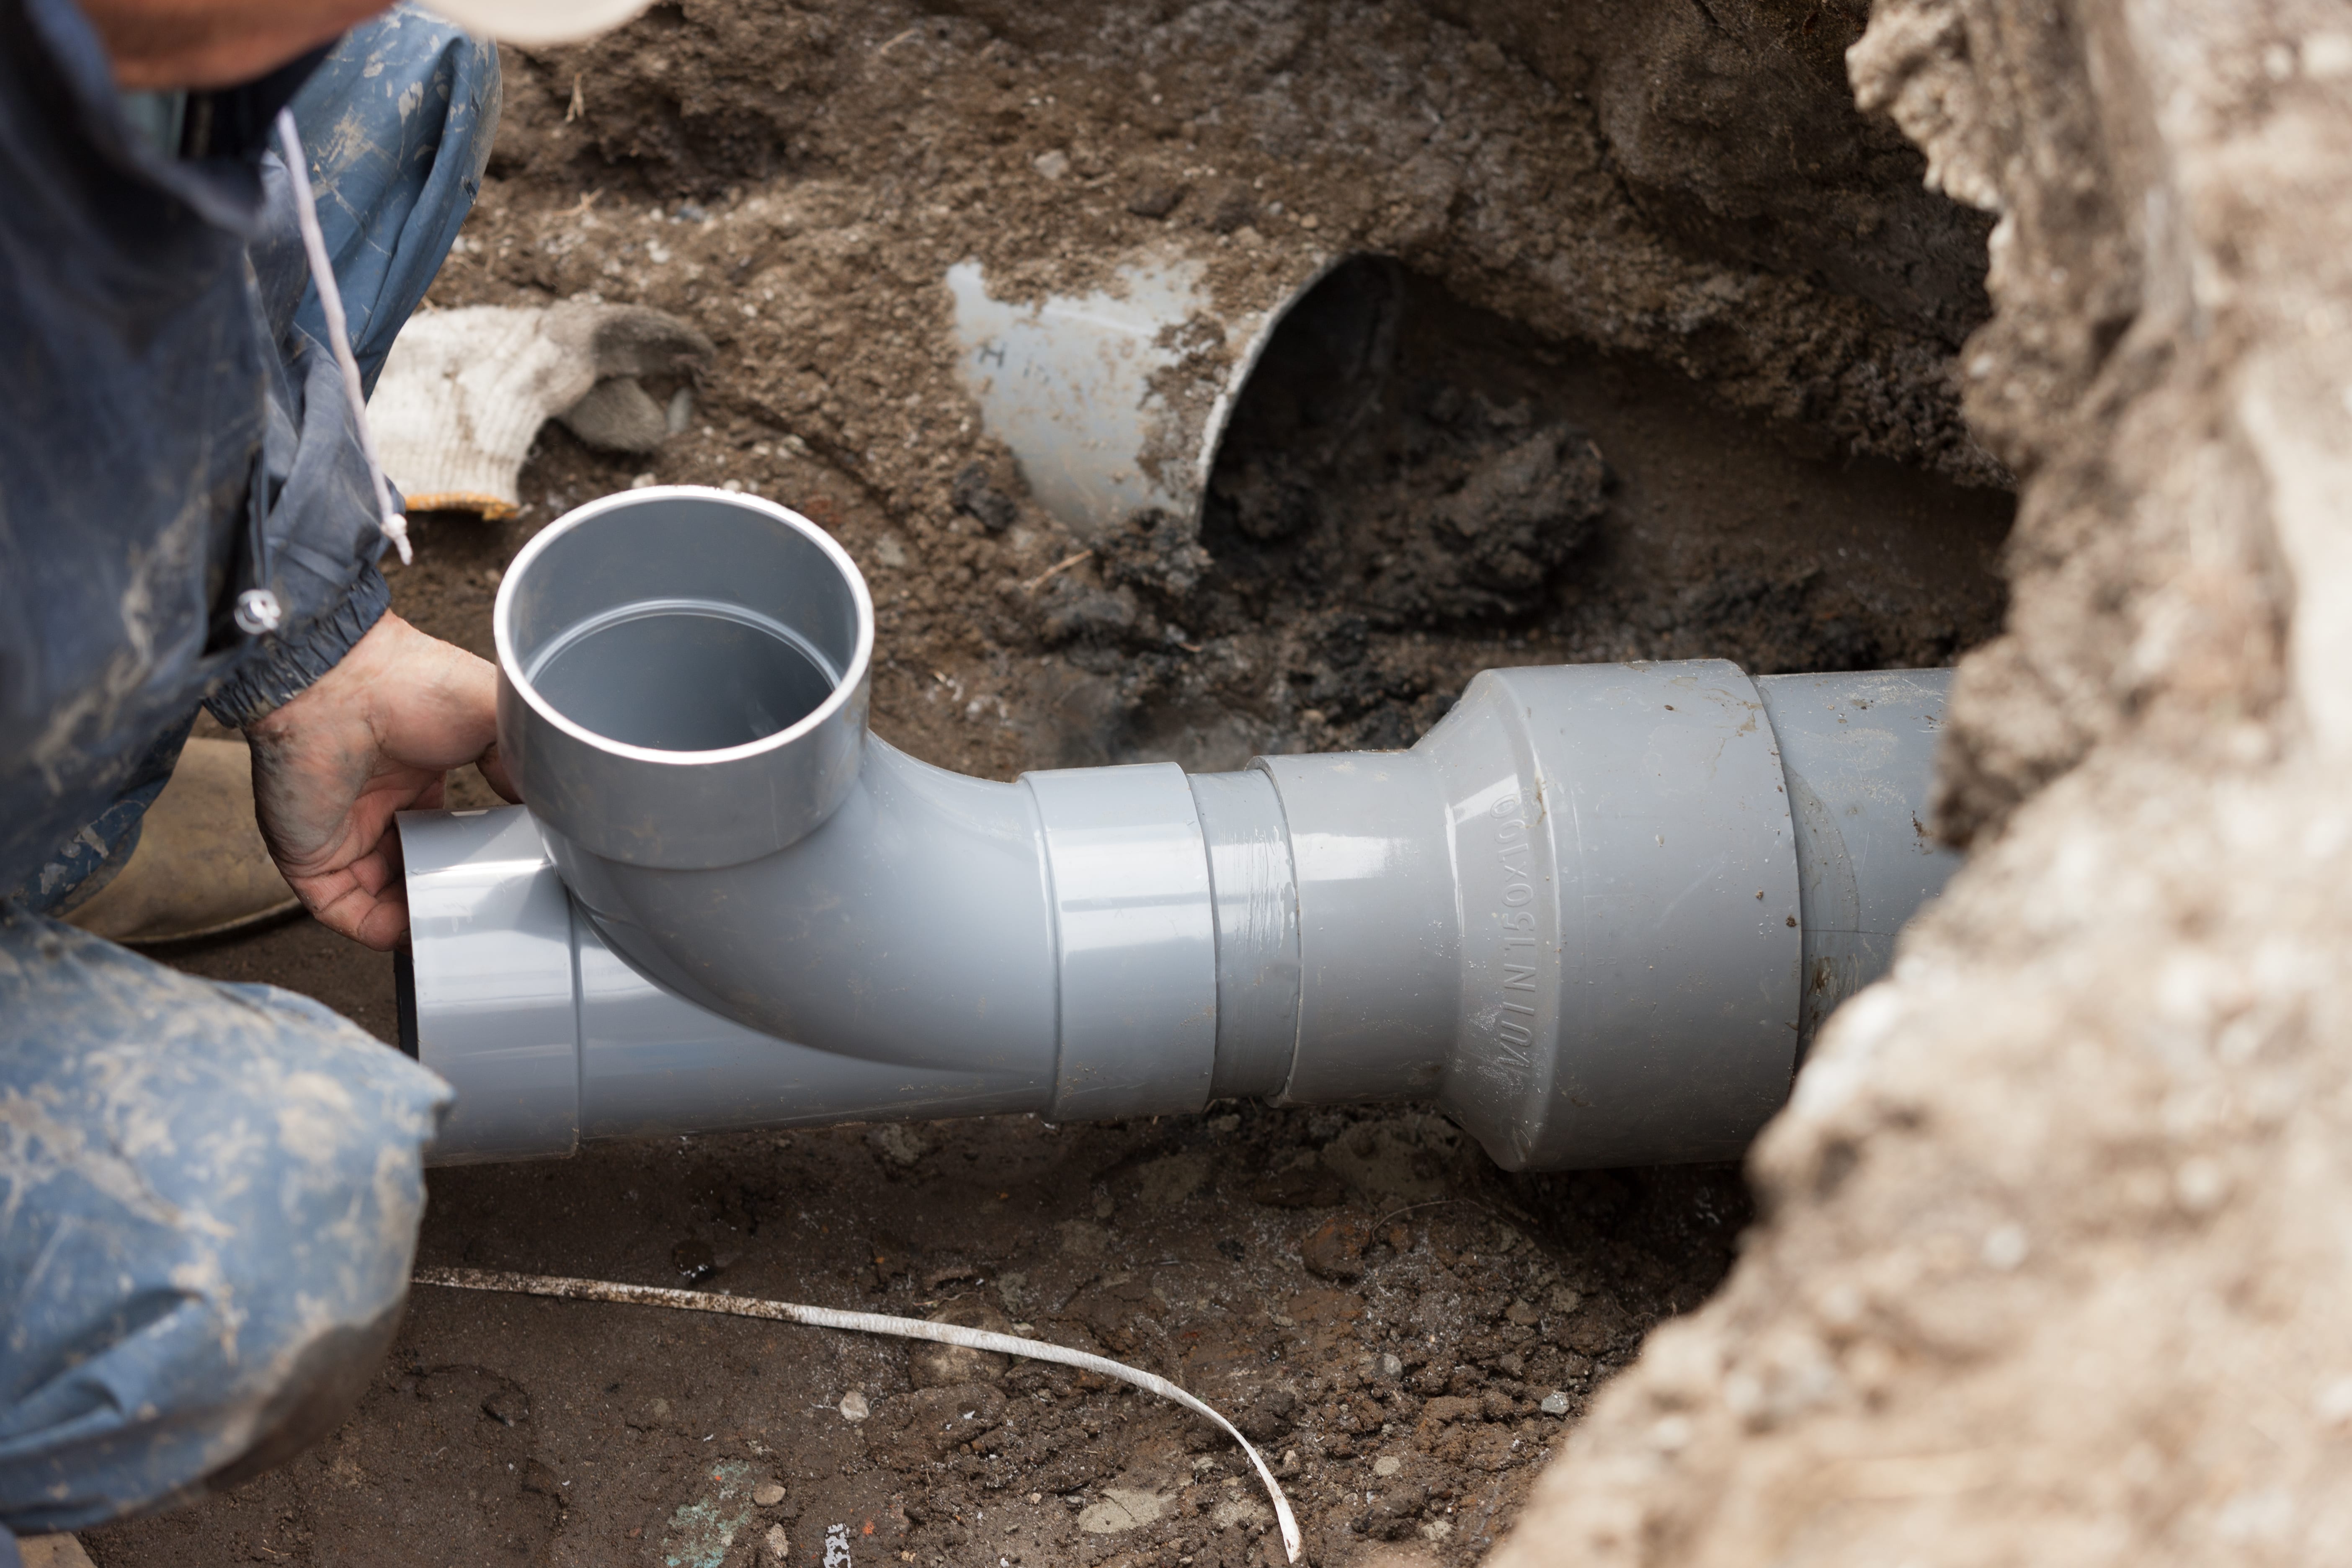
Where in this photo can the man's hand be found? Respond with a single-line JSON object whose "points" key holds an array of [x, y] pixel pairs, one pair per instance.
{"points": [[377, 734]]}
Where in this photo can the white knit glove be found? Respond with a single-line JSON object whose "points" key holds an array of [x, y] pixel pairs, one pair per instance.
{"points": [[464, 393]]}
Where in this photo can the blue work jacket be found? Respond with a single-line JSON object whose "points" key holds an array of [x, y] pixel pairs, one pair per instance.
{"points": [[173, 431]]}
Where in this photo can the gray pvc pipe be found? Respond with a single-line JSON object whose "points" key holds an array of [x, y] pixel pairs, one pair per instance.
{"points": [[1594, 914]]}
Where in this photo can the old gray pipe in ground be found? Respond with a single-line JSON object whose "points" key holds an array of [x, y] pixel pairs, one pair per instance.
{"points": [[1594, 915]]}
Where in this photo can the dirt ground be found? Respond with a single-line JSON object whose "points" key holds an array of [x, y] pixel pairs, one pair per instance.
{"points": [[1630, 413]]}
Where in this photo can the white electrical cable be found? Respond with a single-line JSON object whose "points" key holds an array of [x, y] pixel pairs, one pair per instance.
{"points": [[339, 331], [863, 1323]]}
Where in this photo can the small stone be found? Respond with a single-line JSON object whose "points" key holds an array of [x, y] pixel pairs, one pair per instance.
{"points": [[1554, 1404], [1156, 200], [853, 1406], [977, 498], [643, 482], [1336, 1251], [1520, 1312], [767, 1494], [1386, 1466], [900, 1144], [778, 1548], [1052, 164], [1390, 1366]]}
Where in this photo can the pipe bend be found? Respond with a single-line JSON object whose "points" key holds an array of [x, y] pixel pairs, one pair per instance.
{"points": [[913, 927]]}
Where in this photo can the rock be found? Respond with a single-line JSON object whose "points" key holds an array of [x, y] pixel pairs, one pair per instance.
{"points": [[778, 1547], [1336, 1251], [975, 495], [767, 1494], [900, 1144], [1123, 1509], [704, 1530], [931, 1365], [853, 1406], [1265, 1413], [1554, 1404], [1387, 1465], [1156, 199]]}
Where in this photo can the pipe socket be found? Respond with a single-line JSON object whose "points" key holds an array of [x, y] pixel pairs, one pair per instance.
{"points": [[1594, 915]]}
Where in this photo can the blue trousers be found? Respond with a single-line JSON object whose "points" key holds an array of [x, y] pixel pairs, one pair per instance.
{"points": [[209, 1195]]}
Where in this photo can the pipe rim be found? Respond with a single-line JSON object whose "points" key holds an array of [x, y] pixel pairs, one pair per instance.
{"points": [[845, 690]]}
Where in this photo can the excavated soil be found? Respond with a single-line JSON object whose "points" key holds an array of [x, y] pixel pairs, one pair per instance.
{"points": [[1629, 402]]}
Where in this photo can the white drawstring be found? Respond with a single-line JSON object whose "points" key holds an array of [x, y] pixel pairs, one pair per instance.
{"points": [[564, 1289], [339, 331]]}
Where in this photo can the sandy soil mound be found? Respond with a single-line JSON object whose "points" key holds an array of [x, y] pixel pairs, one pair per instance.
{"points": [[2056, 1262]]}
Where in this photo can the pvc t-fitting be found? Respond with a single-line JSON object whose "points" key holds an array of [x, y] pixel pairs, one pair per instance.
{"points": [[1594, 914]]}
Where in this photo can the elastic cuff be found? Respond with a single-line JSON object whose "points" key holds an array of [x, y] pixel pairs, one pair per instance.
{"points": [[285, 666]]}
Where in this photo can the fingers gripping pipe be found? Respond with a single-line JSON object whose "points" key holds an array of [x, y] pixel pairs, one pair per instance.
{"points": [[1594, 914]]}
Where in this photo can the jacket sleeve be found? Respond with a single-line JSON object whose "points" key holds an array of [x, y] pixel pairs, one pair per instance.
{"points": [[311, 534], [397, 124]]}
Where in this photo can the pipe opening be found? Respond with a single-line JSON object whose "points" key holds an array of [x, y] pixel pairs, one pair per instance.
{"points": [[667, 655], [684, 622], [683, 676]]}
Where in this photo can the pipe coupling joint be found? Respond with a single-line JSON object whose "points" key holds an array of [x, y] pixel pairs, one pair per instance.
{"points": [[683, 677]]}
